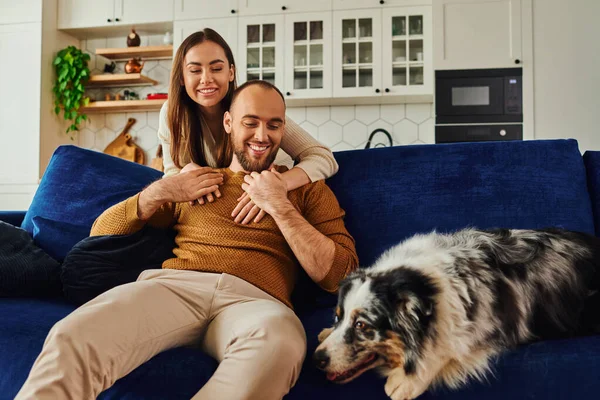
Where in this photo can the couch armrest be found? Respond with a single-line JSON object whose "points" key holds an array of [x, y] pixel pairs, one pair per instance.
{"points": [[12, 217], [591, 160]]}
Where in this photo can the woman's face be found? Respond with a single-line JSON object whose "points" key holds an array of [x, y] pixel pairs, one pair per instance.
{"points": [[207, 74]]}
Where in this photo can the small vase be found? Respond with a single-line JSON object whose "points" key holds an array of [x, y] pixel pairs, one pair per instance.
{"points": [[168, 38]]}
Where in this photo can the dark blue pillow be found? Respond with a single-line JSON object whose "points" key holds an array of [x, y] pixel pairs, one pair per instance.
{"points": [[76, 188], [100, 263], [25, 269]]}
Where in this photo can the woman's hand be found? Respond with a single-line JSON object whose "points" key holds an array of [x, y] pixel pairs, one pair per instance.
{"points": [[209, 197], [246, 210]]}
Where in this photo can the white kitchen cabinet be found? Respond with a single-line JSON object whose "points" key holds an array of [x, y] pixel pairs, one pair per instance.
{"points": [[260, 49], [354, 4], [101, 13], [265, 7], [129, 12], [17, 12], [85, 13], [226, 27], [200, 9], [382, 52], [477, 34], [357, 53], [407, 51], [308, 61]]}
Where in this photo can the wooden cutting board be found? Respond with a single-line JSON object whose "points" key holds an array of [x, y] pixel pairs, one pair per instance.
{"points": [[124, 147]]}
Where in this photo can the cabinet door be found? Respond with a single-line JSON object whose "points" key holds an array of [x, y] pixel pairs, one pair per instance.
{"points": [[354, 4], [308, 59], [477, 33], [20, 80], [407, 51], [261, 52], [226, 27], [294, 6], [197, 9], [357, 53], [260, 7], [129, 12], [85, 13], [13, 12]]}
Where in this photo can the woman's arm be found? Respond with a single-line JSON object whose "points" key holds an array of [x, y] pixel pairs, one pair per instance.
{"points": [[164, 137], [316, 161]]}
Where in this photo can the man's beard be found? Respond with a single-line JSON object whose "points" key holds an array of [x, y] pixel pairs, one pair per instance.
{"points": [[250, 164]]}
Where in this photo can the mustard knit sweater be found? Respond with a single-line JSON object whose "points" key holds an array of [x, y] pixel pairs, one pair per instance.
{"points": [[209, 240]]}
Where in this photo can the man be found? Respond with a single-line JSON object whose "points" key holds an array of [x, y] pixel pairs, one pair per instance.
{"points": [[229, 285]]}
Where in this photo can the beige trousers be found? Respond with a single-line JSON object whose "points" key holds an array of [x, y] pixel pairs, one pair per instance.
{"points": [[259, 342]]}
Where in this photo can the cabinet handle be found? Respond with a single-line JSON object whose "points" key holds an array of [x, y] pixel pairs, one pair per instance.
{"points": [[517, 61], [288, 94], [377, 90], [387, 90], [117, 19], [283, 8], [381, 2], [108, 20], [233, 11]]}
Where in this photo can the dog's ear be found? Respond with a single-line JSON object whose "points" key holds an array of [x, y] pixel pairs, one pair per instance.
{"points": [[324, 334]]}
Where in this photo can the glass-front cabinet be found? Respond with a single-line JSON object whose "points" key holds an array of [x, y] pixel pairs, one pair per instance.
{"points": [[384, 52], [308, 68], [357, 53], [261, 50], [407, 51]]}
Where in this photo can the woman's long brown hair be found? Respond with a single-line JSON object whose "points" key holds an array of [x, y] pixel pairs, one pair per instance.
{"points": [[184, 117]]}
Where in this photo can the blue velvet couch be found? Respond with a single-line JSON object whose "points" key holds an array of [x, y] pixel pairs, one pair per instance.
{"points": [[388, 194]]}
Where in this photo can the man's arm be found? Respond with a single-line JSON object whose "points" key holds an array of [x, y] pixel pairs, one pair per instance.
{"points": [[319, 239], [155, 205]]}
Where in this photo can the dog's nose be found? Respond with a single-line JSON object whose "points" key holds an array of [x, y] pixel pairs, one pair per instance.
{"points": [[321, 359]]}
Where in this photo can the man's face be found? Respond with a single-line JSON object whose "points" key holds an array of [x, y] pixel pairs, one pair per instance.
{"points": [[256, 122]]}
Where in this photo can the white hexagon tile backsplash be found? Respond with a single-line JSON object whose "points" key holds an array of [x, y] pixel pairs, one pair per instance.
{"points": [[338, 127]]}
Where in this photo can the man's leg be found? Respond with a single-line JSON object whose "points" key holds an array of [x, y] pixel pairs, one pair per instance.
{"points": [[108, 337], [259, 342]]}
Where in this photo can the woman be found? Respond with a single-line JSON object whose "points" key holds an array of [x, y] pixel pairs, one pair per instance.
{"points": [[191, 122]]}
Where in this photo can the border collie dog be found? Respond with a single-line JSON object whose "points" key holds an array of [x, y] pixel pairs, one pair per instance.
{"points": [[437, 307]]}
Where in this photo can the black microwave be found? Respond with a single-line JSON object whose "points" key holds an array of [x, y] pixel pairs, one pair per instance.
{"points": [[479, 96]]}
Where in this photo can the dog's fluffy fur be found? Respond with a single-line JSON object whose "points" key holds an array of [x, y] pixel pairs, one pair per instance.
{"points": [[437, 307]]}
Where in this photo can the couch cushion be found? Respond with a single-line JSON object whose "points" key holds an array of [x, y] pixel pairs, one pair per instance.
{"points": [[392, 193], [174, 374], [546, 370], [592, 167], [76, 188], [25, 269]]}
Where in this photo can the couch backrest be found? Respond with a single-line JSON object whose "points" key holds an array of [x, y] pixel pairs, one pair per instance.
{"points": [[592, 167], [390, 194]]}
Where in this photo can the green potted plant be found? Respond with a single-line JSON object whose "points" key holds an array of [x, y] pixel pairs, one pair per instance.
{"points": [[72, 72]]}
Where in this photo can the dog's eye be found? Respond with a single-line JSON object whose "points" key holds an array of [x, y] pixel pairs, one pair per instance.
{"points": [[336, 319], [360, 325]]}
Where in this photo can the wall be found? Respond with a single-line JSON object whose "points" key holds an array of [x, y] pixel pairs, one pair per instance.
{"points": [[566, 70], [52, 128]]}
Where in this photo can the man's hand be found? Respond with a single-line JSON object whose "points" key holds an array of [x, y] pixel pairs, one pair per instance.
{"points": [[267, 190], [185, 186]]}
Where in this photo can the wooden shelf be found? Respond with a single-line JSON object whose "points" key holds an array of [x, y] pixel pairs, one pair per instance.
{"points": [[114, 80], [123, 106], [145, 52]]}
